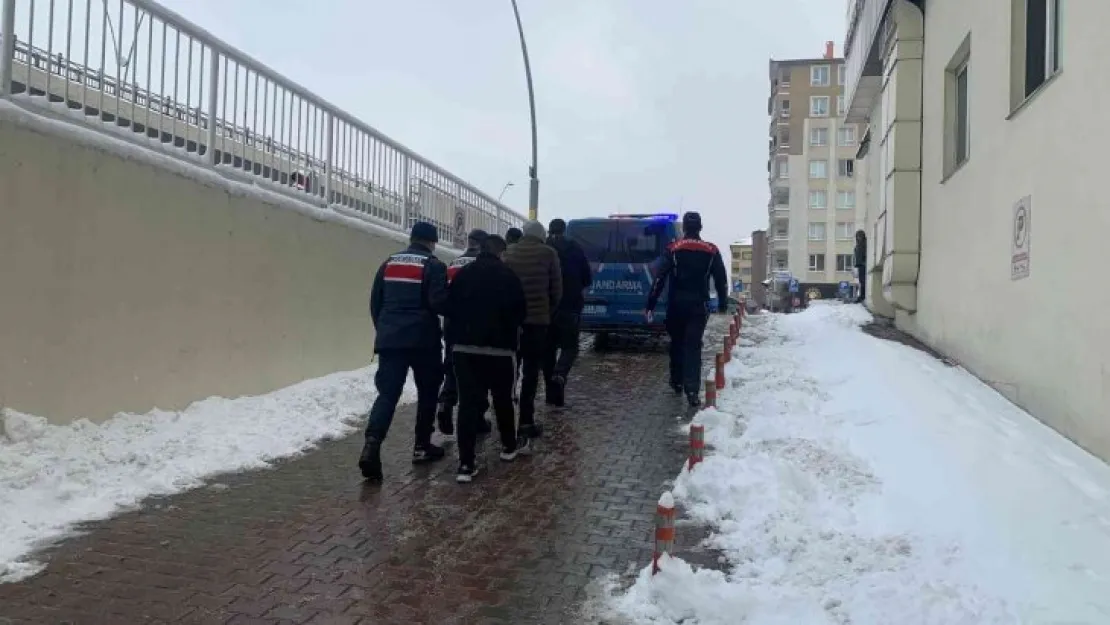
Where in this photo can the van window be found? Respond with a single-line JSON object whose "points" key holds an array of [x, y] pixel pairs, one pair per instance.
{"points": [[624, 241], [645, 241], [596, 239]]}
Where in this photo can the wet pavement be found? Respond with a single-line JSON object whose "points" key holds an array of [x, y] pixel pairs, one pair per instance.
{"points": [[309, 542]]}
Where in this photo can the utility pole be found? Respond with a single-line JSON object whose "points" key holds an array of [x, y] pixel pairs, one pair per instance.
{"points": [[533, 171]]}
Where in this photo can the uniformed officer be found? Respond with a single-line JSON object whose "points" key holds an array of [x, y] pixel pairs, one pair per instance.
{"points": [[408, 296], [686, 268]]}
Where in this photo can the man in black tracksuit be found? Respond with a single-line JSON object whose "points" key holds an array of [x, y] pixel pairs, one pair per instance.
{"points": [[486, 308], [409, 294], [562, 334], [449, 395], [687, 266]]}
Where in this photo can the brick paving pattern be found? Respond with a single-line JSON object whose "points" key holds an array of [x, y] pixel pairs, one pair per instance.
{"points": [[309, 542]]}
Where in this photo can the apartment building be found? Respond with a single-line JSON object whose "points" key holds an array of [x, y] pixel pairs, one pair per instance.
{"points": [[978, 119], [741, 266], [815, 181]]}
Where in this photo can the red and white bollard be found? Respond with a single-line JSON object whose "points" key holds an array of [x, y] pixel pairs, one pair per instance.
{"points": [[728, 349], [697, 446], [710, 394], [664, 530], [719, 378]]}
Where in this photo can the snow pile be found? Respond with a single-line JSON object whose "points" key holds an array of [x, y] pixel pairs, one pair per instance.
{"points": [[854, 480], [53, 477]]}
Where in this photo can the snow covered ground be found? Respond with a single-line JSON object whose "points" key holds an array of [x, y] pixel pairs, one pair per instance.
{"points": [[53, 477], [855, 480]]}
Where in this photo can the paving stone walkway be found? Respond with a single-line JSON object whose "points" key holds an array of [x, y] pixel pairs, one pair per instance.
{"points": [[309, 542]]}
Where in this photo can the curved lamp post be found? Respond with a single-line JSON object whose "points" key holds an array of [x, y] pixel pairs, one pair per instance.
{"points": [[504, 189], [533, 171]]}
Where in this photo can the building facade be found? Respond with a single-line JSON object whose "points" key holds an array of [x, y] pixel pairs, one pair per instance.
{"points": [[971, 110], [816, 184], [741, 266]]}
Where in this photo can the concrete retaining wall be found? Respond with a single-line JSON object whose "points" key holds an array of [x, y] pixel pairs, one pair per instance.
{"points": [[130, 281]]}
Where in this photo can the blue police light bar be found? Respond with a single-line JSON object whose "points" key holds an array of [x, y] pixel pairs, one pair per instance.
{"points": [[667, 216]]}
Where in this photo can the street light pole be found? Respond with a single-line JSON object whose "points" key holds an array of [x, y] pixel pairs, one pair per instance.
{"points": [[533, 171], [504, 189]]}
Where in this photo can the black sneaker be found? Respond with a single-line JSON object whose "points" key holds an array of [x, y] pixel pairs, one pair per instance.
{"points": [[466, 473], [426, 453], [508, 454], [523, 446], [445, 421], [677, 388], [370, 462], [693, 400]]}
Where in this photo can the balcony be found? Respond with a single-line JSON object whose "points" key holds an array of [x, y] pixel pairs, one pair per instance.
{"points": [[863, 61]]}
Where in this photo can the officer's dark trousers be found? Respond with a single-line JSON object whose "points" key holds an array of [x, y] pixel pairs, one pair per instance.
{"points": [[393, 369], [686, 325], [482, 376]]}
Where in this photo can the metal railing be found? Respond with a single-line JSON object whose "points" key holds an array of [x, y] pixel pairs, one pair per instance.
{"points": [[135, 67]]}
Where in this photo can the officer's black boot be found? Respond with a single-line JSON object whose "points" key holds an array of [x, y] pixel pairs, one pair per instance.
{"points": [[693, 399], [370, 462]]}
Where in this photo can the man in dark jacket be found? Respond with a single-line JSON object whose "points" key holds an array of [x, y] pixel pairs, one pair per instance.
{"points": [[512, 235], [537, 266], [686, 268], [486, 308], [448, 395], [860, 258], [409, 294], [562, 335]]}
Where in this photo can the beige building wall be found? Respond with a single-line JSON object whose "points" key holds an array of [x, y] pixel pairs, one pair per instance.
{"points": [[131, 280], [1041, 340]]}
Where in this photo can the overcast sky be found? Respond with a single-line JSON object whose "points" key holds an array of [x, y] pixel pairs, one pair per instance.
{"points": [[643, 105]]}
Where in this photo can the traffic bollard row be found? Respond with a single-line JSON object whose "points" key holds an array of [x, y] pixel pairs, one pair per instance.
{"points": [[710, 393], [664, 530], [719, 378]]}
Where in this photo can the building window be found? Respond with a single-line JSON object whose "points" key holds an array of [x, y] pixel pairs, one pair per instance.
{"points": [[1036, 47], [782, 166], [845, 168], [816, 262], [817, 231], [845, 199], [957, 109], [840, 74], [746, 271], [844, 262], [819, 76], [818, 137], [781, 196], [780, 264], [846, 136], [819, 106], [746, 255], [784, 108], [782, 232], [839, 106], [784, 76], [818, 199], [845, 230], [819, 169], [784, 137]]}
